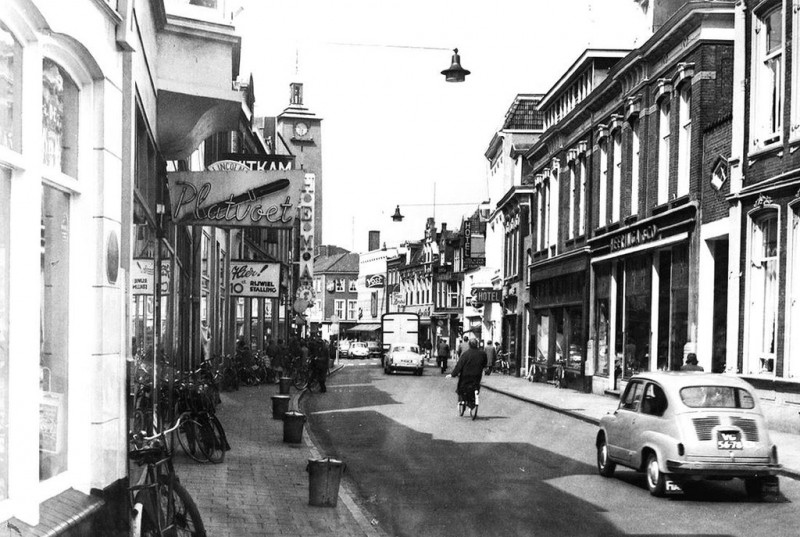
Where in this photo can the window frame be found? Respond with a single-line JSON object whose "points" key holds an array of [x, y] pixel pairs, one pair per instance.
{"points": [[684, 137], [616, 175], [602, 190], [635, 125], [762, 135], [664, 143]]}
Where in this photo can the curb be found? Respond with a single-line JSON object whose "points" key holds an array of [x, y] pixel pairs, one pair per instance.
{"points": [[786, 472], [344, 490]]}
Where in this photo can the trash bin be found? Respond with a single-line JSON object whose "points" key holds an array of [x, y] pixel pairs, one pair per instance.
{"points": [[280, 404], [324, 476], [293, 427], [285, 384]]}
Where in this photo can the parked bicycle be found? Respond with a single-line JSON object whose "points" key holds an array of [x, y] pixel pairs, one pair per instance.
{"points": [[200, 434], [559, 379], [502, 365], [160, 505]]}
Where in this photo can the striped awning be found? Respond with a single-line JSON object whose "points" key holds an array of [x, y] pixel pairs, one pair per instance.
{"points": [[366, 327]]}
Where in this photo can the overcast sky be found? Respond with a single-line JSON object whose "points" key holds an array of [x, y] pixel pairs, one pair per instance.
{"points": [[393, 130]]}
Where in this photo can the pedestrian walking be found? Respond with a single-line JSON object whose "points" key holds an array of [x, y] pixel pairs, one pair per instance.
{"points": [[463, 346], [491, 356], [320, 370], [691, 363], [442, 352]]}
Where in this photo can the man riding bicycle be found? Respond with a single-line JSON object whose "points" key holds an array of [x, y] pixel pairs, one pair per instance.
{"points": [[469, 371]]}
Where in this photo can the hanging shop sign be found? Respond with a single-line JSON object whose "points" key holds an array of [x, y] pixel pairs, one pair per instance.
{"points": [[235, 198], [486, 295], [143, 277], [375, 281], [467, 238], [474, 262], [255, 279], [256, 163]]}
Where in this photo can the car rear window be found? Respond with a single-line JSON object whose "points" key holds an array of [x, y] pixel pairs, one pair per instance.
{"points": [[716, 397], [406, 348]]}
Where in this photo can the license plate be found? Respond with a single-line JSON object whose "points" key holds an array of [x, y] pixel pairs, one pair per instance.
{"points": [[671, 487], [729, 440]]}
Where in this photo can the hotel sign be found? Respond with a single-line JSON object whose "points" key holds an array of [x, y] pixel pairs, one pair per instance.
{"points": [[235, 198], [634, 238], [486, 295]]}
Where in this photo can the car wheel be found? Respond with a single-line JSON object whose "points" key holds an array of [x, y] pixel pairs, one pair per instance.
{"points": [[656, 482], [605, 466]]}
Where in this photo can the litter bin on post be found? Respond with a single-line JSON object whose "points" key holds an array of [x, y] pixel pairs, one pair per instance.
{"points": [[324, 476], [280, 405], [293, 427], [285, 384]]}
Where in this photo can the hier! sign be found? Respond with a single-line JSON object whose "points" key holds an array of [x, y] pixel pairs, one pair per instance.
{"points": [[255, 279], [235, 198]]}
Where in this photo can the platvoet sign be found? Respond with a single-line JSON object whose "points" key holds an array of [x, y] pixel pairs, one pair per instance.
{"points": [[235, 198]]}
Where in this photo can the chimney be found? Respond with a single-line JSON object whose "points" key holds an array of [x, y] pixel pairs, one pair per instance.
{"points": [[374, 241]]}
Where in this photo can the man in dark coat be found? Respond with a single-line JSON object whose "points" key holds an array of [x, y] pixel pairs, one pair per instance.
{"points": [[469, 369], [442, 352]]}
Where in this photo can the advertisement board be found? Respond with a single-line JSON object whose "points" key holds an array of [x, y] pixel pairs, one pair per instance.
{"points": [[255, 279]]}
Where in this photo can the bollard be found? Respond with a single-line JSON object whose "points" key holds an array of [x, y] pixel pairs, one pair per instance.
{"points": [[285, 384], [324, 476], [293, 427], [280, 404]]}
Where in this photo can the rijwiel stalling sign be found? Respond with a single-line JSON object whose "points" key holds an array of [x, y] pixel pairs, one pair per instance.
{"points": [[235, 198]]}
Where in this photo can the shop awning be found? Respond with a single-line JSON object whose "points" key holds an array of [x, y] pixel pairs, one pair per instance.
{"points": [[367, 327]]}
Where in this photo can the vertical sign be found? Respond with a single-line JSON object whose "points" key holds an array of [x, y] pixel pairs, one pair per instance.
{"points": [[468, 238], [305, 288]]}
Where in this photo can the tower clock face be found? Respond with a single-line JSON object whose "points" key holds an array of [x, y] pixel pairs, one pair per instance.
{"points": [[300, 129]]}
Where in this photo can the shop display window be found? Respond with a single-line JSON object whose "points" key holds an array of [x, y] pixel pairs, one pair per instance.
{"points": [[575, 338], [638, 278], [5, 259], [10, 90], [54, 344], [602, 289]]}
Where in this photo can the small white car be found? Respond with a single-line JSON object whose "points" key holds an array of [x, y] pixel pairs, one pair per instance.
{"points": [[344, 348], [359, 349], [404, 357], [680, 427]]}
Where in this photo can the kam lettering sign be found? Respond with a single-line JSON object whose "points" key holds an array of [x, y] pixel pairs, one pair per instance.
{"points": [[634, 238], [255, 279], [235, 198], [375, 281], [256, 163]]}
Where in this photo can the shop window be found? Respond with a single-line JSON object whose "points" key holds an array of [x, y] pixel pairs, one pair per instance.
{"points": [[602, 291], [5, 259], [793, 369], [59, 119], [54, 344], [635, 148], [763, 267], [767, 78], [575, 338], [10, 90], [663, 150], [684, 137], [638, 279]]}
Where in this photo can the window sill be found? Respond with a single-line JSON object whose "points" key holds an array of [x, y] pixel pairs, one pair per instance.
{"points": [[774, 148]]}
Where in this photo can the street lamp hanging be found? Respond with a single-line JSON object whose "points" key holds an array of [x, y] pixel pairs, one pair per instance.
{"points": [[455, 73], [397, 217]]}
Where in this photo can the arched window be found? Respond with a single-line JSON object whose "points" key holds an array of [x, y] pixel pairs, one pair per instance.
{"points": [[59, 119], [763, 292]]}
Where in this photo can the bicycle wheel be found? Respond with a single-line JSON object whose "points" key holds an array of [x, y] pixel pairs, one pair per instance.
{"points": [[184, 520], [462, 406], [212, 439], [473, 411], [189, 439], [187, 517]]}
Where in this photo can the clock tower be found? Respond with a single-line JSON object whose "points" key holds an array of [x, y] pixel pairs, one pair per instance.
{"points": [[301, 133]]}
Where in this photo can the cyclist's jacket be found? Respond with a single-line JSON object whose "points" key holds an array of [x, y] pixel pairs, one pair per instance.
{"points": [[469, 368]]}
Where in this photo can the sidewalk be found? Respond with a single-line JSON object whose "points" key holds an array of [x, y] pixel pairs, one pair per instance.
{"points": [[261, 489], [590, 408]]}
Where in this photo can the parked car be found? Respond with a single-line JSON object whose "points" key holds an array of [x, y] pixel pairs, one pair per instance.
{"points": [[682, 427], [404, 357], [358, 349], [374, 349], [344, 348]]}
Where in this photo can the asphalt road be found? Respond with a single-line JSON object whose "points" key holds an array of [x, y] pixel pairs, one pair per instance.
{"points": [[420, 469]]}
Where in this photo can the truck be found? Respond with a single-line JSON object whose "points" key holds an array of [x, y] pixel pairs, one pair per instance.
{"points": [[398, 327]]}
